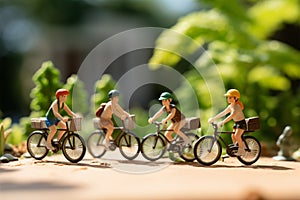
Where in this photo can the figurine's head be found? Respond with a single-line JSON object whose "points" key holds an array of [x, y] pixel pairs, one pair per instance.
{"points": [[233, 93], [165, 96], [61, 92], [233, 96], [113, 93]]}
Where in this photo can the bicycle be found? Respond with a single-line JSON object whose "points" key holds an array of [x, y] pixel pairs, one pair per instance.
{"points": [[127, 141], [154, 145], [208, 149], [71, 143]]}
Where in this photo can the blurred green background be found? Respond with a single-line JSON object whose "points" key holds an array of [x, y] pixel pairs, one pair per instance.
{"points": [[254, 44]]}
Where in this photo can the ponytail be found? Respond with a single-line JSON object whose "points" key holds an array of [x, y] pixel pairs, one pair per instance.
{"points": [[240, 103]]}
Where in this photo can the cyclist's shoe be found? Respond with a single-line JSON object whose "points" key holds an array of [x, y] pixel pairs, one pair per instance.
{"points": [[109, 145], [174, 158], [187, 143], [233, 145], [240, 152], [49, 146], [106, 145], [171, 145]]}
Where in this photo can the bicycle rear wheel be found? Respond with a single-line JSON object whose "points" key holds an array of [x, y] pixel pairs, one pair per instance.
{"points": [[207, 150], [187, 152], [129, 145], [153, 147], [95, 144], [36, 145], [73, 147], [253, 153]]}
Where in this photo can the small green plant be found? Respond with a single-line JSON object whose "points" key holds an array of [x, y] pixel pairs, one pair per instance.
{"points": [[4, 132], [102, 87]]}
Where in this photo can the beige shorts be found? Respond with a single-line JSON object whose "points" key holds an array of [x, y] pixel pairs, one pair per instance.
{"points": [[104, 123]]}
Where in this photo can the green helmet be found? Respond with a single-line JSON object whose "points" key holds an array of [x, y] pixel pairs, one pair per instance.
{"points": [[113, 93], [165, 95]]}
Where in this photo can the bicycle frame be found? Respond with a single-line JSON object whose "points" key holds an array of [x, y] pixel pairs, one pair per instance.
{"points": [[217, 136], [119, 135], [66, 133]]}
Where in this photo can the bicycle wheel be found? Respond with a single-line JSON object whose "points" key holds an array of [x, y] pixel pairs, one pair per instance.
{"points": [[153, 147], [253, 154], [73, 147], [36, 145], [95, 144], [187, 152], [129, 146], [207, 150]]}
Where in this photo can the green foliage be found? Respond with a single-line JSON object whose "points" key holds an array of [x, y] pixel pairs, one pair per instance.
{"points": [[102, 87], [77, 100], [235, 37], [17, 135], [47, 81]]}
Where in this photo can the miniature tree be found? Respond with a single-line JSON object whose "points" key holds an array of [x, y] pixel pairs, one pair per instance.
{"points": [[47, 81], [78, 94], [102, 87]]}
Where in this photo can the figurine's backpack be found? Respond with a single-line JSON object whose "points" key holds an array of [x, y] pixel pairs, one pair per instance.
{"points": [[100, 109]]}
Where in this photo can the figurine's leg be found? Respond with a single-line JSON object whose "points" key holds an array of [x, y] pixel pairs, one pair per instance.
{"points": [[177, 130], [109, 126], [168, 134], [238, 136], [61, 125], [233, 137], [50, 136]]}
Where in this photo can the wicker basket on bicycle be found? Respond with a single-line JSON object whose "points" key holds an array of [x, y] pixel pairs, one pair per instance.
{"points": [[253, 123], [192, 123], [40, 123]]}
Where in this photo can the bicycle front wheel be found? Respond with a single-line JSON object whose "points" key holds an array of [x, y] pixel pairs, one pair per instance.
{"points": [[129, 146], [187, 152], [95, 144], [207, 150], [73, 147], [153, 147], [36, 145], [253, 151]]}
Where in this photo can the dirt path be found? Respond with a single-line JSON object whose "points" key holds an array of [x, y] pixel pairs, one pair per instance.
{"points": [[112, 178]]}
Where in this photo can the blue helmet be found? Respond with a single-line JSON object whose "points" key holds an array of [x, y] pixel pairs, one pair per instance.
{"points": [[113, 93]]}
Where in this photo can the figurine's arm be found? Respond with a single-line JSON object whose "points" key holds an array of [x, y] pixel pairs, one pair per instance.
{"points": [[227, 119], [69, 111], [221, 114], [118, 110], [157, 115]]}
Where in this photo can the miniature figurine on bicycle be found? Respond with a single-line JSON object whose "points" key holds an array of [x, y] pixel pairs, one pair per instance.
{"points": [[174, 115], [235, 109], [111, 107], [54, 118]]}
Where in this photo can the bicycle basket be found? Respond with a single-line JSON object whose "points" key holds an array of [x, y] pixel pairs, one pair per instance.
{"points": [[129, 123], [192, 123], [96, 122], [253, 123], [75, 124], [38, 123]]}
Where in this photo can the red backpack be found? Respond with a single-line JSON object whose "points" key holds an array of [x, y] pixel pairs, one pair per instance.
{"points": [[100, 109]]}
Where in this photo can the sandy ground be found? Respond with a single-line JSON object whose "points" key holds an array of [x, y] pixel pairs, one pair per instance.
{"points": [[112, 177]]}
